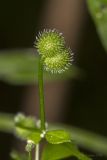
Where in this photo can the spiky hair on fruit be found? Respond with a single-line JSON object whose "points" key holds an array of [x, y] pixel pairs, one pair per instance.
{"points": [[58, 63], [55, 56], [49, 42]]}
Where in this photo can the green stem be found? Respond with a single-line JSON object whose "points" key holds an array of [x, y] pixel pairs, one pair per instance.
{"points": [[37, 152], [41, 95], [30, 156]]}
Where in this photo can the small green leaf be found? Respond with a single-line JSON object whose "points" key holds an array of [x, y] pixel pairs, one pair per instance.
{"points": [[60, 151], [18, 156], [26, 128], [58, 136]]}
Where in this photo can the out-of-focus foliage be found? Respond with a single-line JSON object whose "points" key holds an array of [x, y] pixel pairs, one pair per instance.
{"points": [[18, 66], [21, 67], [18, 156], [85, 139], [98, 10], [6, 122], [25, 128]]}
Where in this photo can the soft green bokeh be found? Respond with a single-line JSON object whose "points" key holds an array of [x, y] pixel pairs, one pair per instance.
{"points": [[98, 10], [18, 156], [6, 122], [20, 67], [25, 128]]}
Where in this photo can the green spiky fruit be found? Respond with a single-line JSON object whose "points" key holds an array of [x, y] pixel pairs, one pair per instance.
{"points": [[49, 42], [51, 46], [58, 63]]}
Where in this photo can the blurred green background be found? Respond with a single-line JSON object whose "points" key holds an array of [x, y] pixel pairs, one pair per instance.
{"points": [[79, 97]]}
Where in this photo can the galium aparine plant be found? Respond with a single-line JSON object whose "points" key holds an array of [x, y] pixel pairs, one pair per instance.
{"points": [[56, 58]]}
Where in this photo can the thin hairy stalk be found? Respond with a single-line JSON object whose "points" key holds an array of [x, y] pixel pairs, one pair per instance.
{"points": [[41, 95], [37, 152]]}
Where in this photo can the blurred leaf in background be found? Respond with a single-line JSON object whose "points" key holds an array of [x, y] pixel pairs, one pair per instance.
{"points": [[21, 67], [98, 10], [18, 156], [18, 66]]}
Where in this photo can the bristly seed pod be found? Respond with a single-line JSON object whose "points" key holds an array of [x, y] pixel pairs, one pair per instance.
{"points": [[49, 42], [51, 46], [58, 63]]}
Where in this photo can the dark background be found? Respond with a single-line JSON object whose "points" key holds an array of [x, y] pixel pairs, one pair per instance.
{"points": [[83, 100]]}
